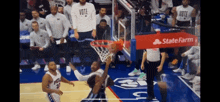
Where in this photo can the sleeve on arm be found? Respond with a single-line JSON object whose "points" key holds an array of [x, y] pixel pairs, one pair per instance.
{"points": [[93, 17], [66, 25], [31, 40], [48, 27], [81, 77], [30, 27], [47, 39], [73, 15]]}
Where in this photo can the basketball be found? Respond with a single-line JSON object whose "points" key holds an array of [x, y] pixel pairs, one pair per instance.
{"points": [[115, 46], [112, 48]]}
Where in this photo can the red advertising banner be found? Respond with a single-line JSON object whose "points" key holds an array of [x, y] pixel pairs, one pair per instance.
{"points": [[165, 40]]}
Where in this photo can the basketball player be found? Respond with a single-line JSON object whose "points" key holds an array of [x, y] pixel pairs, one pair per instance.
{"points": [[95, 70], [51, 83], [98, 83]]}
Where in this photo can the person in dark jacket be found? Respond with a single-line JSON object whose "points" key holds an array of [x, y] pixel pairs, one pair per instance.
{"points": [[43, 7], [103, 31]]}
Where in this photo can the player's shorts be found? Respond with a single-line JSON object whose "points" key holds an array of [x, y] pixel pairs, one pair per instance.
{"points": [[52, 97], [96, 97]]}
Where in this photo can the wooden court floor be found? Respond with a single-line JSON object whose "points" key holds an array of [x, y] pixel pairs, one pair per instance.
{"points": [[32, 92]]}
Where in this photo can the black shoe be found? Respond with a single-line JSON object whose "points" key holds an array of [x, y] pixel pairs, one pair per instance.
{"points": [[150, 98]]}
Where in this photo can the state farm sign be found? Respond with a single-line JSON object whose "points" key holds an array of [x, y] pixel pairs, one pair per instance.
{"points": [[165, 40]]}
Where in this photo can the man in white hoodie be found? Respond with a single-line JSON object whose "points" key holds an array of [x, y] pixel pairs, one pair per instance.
{"points": [[84, 25], [84, 19]]}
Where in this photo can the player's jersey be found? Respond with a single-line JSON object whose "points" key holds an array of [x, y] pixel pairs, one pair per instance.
{"points": [[56, 80], [184, 14]]}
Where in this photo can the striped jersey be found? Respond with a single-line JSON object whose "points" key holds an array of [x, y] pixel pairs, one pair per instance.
{"points": [[83, 17]]}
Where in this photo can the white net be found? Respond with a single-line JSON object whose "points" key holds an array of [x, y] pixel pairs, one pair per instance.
{"points": [[101, 47]]}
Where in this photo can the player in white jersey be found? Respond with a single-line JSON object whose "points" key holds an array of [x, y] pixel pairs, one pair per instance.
{"points": [[183, 14], [51, 83]]}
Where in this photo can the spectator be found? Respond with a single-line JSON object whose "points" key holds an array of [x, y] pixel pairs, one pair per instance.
{"points": [[43, 7], [41, 39], [160, 6], [144, 24], [183, 14], [60, 9], [102, 15], [193, 58], [57, 27], [24, 6], [25, 24], [40, 21], [59, 2], [84, 23], [84, 20], [67, 11], [103, 30], [52, 3]]}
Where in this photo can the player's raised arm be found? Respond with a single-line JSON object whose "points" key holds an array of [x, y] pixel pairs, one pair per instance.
{"points": [[45, 82], [98, 84], [79, 76]]}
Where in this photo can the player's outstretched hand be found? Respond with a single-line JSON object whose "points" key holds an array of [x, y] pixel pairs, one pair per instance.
{"points": [[72, 66], [71, 83], [108, 60], [59, 92]]}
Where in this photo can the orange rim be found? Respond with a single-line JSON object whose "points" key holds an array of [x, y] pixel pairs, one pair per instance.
{"points": [[98, 43]]}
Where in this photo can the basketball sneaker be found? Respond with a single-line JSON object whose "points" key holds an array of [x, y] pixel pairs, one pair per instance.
{"points": [[36, 66], [142, 77], [134, 72], [68, 69], [188, 76], [182, 71], [196, 79]]}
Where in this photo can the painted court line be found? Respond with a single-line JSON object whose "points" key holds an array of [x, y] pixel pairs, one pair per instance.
{"points": [[188, 86], [63, 91]]}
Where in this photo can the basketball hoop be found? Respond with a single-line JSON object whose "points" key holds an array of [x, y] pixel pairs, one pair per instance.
{"points": [[102, 48]]}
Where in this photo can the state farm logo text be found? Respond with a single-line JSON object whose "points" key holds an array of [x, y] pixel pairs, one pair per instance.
{"points": [[173, 41]]}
